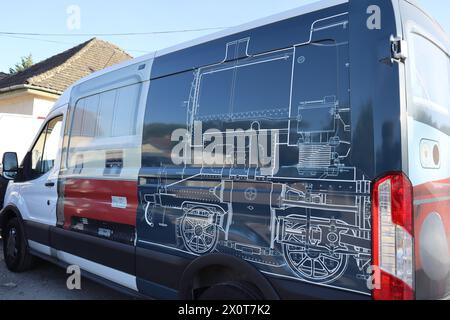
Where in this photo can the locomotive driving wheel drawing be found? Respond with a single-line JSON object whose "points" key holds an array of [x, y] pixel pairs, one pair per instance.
{"points": [[199, 230], [307, 258]]}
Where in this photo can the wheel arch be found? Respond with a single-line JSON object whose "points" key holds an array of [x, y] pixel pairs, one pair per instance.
{"points": [[8, 213], [216, 268]]}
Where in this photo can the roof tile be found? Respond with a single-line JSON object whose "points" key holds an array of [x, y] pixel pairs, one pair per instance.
{"points": [[62, 70]]}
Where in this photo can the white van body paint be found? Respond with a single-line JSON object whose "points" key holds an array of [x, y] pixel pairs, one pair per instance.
{"points": [[40, 205]]}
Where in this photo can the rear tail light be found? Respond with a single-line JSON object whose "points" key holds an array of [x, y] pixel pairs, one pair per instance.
{"points": [[392, 234]]}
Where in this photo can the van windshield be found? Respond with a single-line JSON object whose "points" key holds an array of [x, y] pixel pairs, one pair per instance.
{"points": [[430, 84]]}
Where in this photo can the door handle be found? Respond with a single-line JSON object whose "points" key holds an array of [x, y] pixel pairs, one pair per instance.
{"points": [[50, 184]]}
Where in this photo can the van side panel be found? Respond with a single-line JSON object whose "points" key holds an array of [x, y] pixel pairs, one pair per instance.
{"points": [[99, 179], [100, 194], [428, 125], [375, 85], [305, 216], [97, 188], [263, 39]]}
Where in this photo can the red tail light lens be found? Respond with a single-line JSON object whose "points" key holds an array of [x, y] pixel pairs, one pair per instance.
{"points": [[402, 197], [392, 234], [392, 289]]}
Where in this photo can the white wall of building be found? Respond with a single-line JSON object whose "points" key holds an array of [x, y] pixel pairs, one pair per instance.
{"points": [[22, 112]]}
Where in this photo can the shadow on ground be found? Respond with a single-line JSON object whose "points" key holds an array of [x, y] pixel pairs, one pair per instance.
{"points": [[48, 282]]}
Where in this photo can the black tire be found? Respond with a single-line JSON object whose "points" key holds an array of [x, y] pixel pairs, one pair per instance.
{"points": [[233, 290], [15, 249]]}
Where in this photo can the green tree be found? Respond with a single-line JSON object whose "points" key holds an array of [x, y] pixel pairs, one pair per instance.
{"points": [[25, 62]]}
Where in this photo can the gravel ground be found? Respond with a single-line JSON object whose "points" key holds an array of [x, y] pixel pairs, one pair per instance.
{"points": [[48, 282]]}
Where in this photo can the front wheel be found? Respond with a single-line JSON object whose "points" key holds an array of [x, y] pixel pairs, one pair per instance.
{"points": [[15, 250]]}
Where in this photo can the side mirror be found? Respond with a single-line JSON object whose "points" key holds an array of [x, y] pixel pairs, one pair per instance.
{"points": [[10, 165]]}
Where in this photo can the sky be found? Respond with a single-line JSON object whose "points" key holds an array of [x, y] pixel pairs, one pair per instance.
{"points": [[114, 16]]}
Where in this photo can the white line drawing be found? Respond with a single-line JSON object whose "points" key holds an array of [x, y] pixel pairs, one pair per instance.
{"points": [[313, 224]]}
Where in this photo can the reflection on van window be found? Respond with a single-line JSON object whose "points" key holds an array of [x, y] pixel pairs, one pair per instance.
{"points": [[36, 153], [106, 115], [100, 121], [430, 83], [166, 111], [45, 150]]}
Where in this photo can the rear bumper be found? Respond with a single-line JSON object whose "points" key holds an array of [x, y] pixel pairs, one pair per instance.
{"points": [[295, 290]]}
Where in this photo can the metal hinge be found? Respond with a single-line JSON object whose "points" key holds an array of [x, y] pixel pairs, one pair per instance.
{"points": [[399, 49]]}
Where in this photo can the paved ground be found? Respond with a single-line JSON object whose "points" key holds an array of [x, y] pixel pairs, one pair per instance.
{"points": [[48, 282]]}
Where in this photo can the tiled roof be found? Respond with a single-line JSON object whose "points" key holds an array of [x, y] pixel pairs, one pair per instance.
{"points": [[62, 70], [3, 75]]}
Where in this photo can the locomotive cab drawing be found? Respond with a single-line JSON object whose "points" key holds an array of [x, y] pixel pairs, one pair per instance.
{"points": [[300, 156]]}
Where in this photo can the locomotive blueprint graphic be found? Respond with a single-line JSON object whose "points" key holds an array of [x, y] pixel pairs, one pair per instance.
{"points": [[305, 215]]}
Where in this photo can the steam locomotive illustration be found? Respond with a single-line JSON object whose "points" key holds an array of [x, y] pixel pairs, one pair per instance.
{"points": [[305, 216]]}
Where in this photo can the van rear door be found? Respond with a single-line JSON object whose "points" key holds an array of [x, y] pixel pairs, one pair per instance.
{"points": [[428, 85]]}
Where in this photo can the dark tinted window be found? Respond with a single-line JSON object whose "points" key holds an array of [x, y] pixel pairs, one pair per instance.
{"points": [[214, 101], [248, 89], [315, 75], [166, 111], [315, 93], [236, 94]]}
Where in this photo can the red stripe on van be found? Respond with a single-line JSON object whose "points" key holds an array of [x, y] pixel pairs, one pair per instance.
{"points": [[433, 189], [92, 199], [431, 197]]}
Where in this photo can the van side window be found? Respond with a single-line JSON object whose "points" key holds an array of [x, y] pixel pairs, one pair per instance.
{"points": [[316, 87], [166, 111], [263, 87], [249, 89], [430, 83], [45, 150], [106, 115], [215, 95], [125, 111], [97, 121]]}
